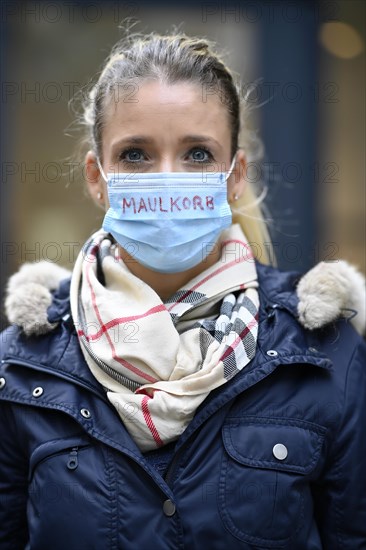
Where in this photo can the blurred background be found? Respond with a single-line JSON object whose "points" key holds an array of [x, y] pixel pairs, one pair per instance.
{"points": [[303, 60]]}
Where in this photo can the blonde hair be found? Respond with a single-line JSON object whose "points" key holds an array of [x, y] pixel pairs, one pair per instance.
{"points": [[175, 58]]}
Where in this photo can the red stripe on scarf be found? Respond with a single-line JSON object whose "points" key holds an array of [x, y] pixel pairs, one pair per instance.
{"points": [[123, 362], [119, 320], [219, 270], [149, 421]]}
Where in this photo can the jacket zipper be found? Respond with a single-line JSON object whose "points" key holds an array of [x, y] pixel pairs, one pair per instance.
{"points": [[71, 456], [73, 461]]}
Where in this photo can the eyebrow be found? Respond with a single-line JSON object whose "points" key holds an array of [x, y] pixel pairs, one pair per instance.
{"points": [[144, 140], [201, 139]]}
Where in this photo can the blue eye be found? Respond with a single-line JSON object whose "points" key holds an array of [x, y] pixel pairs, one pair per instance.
{"points": [[201, 154], [131, 155]]}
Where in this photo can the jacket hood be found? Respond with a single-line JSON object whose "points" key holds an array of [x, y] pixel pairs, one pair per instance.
{"points": [[324, 293]]}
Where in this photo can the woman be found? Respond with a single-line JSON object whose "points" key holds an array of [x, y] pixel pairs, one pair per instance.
{"points": [[165, 395]]}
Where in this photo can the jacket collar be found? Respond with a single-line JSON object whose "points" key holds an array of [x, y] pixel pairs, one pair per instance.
{"points": [[279, 288]]}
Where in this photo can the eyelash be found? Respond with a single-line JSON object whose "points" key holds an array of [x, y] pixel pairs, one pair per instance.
{"points": [[129, 149]]}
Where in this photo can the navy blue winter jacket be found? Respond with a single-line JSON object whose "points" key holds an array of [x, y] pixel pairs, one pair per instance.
{"points": [[274, 459]]}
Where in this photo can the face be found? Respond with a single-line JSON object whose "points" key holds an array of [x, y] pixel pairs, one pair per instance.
{"points": [[167, 128]]}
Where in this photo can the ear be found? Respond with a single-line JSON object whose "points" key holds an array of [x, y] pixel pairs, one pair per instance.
{"points": [[96, 185], [236, 182]]}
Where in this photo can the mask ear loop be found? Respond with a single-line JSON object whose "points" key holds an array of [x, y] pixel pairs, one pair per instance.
{"points": [[231, 167], [101, 170]]}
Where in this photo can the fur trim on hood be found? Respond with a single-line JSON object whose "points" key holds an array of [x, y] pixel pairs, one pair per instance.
{"points": [[28, 295], [326, 292], [329, 290]]}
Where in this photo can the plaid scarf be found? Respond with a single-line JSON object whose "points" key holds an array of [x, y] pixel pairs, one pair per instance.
{"points": [[158, 361]]}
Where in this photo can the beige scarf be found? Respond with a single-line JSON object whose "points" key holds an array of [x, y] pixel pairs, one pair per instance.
{"points": [[158, 361]]}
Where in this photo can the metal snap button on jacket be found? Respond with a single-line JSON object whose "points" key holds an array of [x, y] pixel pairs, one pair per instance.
{"points": [[37, 392], [2, 383], [85, 413], [280, 451], [272, 353], [169, 508]]}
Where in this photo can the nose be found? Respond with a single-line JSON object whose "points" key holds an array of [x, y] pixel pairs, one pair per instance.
{"points": [[168, 164]]}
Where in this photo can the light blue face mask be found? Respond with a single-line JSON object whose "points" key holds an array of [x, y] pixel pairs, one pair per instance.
{"points": [[168, 221]]}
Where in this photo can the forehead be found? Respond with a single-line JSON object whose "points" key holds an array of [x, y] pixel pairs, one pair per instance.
{"points": [[166, 110]]}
